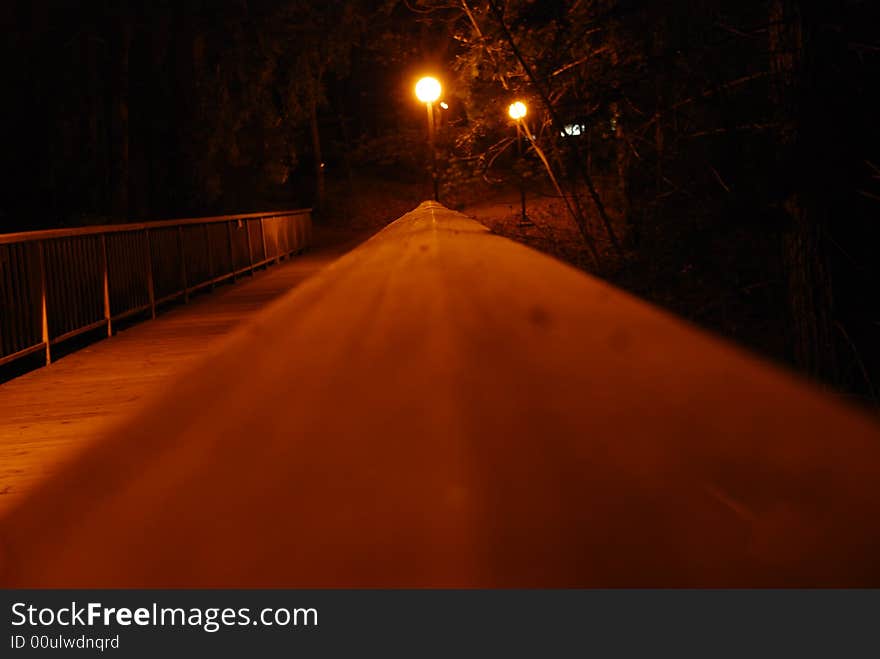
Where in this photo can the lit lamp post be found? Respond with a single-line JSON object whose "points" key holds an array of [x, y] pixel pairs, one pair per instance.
{"points": [[428, 91], [517, 111]]}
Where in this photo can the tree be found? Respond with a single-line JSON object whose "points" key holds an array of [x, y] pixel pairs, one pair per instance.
{"points": [[309, 42], [716, 133], [808, 275]]}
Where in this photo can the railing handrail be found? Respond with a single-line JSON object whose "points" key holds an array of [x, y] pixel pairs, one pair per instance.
{"points": [[49, 234]]}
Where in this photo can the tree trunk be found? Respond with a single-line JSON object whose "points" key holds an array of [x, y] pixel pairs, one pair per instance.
{"points": [[809, 293], [621, 147], [160, 97], [119, 133], [139, 122], [807, 272], [319, 164], [95, 150], [650, 215], [346, 140], [660, 84]]}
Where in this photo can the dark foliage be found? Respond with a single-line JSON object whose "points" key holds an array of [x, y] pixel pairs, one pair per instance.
{"points": [[720, 158], [729, 148], [138, 109]]}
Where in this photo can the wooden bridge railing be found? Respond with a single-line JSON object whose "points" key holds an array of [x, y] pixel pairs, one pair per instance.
{"points": [[444, 407], [57, 284]]}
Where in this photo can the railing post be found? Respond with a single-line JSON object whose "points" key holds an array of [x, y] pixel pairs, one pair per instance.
{"points": [[183, 283], [210, 256], [107, 315], [292, 230], [263, 236], [247, 228], [231, 252], [43, 306], [279, 237], [151, 291]]}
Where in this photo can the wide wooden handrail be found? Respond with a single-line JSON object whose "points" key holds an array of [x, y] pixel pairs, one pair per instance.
{"points": [[60, 283], [445, 407]]}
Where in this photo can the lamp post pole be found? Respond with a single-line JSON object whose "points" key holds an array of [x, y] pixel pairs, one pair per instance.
{"points": [[428, 91], [433, 148], [517, 111], [522, 183]]}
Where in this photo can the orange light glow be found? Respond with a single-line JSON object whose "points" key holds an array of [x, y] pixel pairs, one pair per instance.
{"points": [[517, 110], [428, 90]]}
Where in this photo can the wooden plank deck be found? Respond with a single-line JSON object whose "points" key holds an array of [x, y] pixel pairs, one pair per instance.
{"points": [[52, 413], [444, 407]]}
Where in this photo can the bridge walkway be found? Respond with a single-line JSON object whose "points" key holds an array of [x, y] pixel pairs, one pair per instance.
{"points": [[49, 414]]}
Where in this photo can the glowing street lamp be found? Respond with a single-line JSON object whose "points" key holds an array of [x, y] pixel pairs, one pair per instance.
{"points": [[517, 112], [428, 91]]}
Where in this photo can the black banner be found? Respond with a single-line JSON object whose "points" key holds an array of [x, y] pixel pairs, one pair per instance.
{"points": [[412, 623]]}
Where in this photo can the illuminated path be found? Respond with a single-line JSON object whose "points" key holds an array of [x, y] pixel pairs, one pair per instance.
{"points": [[444, 407], [50, 414]]}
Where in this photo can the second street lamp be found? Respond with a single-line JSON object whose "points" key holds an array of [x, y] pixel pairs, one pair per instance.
{"points": [[517, 111], [428, 91]]}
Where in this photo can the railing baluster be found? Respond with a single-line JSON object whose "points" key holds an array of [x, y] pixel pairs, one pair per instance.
{"points": [[231, 252], [15, 330], [151, 290], [104, 264], [7, 328], [247, 230], [209, 250], [43, 306], [263, 236], [9, 344], [182, 264]]}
